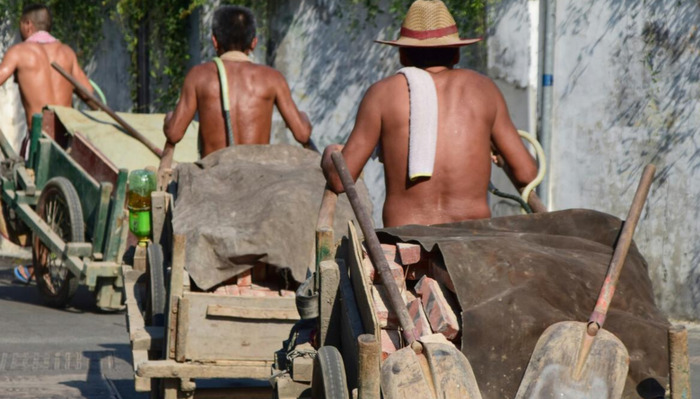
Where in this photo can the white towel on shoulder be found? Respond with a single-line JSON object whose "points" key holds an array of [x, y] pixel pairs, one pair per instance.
{"points": [[423, 122]]}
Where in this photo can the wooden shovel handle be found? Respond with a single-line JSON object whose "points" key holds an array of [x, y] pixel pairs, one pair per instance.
{"points": [[595, 322], [92, 99], [375, 250]]}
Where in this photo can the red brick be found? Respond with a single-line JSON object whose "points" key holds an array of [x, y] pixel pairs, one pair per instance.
{"points": [[417, 271], [409, 254], [439, 272], [229, 289], [245, 279], [373, 274], [391, 342], [259, 272], [439, 312], [385, 318], [415, 309]]}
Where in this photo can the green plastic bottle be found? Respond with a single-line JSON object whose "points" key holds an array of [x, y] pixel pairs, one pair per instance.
{"points": [[141, 183]]}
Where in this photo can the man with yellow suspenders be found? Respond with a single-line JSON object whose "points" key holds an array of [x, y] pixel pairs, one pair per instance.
{"points": [[233, 96]]}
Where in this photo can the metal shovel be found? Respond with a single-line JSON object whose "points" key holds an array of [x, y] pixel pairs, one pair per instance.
{"points": [[429, 367], [576, 360]]}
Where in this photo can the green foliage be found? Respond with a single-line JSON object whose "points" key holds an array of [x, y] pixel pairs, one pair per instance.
{"points": [[76, 23]]}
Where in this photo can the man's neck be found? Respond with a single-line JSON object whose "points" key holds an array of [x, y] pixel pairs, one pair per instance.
{"points": [[235, 56], [41, 37]]}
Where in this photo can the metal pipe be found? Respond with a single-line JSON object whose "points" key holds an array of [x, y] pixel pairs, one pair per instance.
{"points": [[546, 100], [143, 99]]}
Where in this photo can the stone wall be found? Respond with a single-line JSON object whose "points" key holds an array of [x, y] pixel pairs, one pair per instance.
{"points": [[627, 93]]}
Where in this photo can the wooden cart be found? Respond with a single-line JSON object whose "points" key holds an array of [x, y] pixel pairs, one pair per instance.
{"points": [[67, 200]]}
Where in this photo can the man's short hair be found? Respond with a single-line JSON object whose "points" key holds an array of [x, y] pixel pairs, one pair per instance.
{"points": [[425, 57], [39, 15], [234, 28]]}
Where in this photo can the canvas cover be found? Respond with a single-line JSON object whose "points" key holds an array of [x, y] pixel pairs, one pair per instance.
{"points": [[517, 275], [117, 145], [244, 204]]}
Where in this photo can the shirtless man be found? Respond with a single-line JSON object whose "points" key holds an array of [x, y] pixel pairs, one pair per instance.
{"points": [[253, 91], [39, 83], [471, 116]]}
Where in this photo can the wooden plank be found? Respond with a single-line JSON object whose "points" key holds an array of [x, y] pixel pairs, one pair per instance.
{"points": [[217, 338], [100, 221], [329, 310], [177, 275], [133, 302], [117, 218], [361, 284], [160, 209], [148, 338], [173, 369], [253, 313], [238, 393], [141, 384], [351, 325], [93, 160], [183, 324]]}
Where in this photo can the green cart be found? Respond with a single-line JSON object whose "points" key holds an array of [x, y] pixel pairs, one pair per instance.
{"points": [[67, 200]]}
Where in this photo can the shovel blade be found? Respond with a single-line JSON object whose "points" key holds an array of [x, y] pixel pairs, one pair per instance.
{"points": [[440, 372], [550, 373]]}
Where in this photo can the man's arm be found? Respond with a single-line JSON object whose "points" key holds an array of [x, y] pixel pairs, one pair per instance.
{"points": [[79, 74], [362, 141], [298, 122], [176, 123], [8, 65], [520, 165]]}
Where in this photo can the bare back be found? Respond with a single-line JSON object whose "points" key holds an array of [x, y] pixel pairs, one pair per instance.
{"points": [[471, 114], [254, 90], [39, 83]]}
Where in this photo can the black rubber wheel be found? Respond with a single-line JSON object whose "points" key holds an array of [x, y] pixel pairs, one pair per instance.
{"points": [[329, 380], [59, 206], [156, 275]]}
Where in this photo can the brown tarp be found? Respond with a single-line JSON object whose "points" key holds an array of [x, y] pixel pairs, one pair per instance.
{"points": [[244, 204], [517, 275]]}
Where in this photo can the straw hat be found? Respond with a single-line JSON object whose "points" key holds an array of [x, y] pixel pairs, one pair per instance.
{"points": [[429, 23]]}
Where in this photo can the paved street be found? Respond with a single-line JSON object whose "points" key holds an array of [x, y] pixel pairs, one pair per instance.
{"points": [[76, 352], [80, 352]]}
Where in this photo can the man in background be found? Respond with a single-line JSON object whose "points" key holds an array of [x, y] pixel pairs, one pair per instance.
{"points": [[39, 84], [253, 90]]}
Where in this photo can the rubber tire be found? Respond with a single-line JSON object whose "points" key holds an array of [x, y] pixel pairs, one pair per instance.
{"points": [[156, 279], [329, 380], [62, 188]]}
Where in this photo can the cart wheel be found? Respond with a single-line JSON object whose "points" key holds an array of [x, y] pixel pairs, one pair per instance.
{"points": [[157, 283], [329, 379], [59, 207]]}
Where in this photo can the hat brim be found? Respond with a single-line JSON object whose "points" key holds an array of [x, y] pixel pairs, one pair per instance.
{"points": [[435, 42]]}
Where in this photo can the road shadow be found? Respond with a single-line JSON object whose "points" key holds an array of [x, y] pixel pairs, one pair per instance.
{"points": [[14, 291], [109, 374]]}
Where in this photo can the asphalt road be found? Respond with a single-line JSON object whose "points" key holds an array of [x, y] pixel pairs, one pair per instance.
{"points": [[80, 352], [77, 352]]}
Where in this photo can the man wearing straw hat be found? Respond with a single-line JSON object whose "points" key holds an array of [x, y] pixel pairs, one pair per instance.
{"points": [[435, 127]]}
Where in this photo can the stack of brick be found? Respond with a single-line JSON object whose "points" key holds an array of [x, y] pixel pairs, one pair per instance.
{"points": [[428, 294], [254, 282]]}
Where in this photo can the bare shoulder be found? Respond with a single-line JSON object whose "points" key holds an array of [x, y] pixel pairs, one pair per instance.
{"points": [[386, 88], [201, 73], [475, 78], [268, 71]]}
